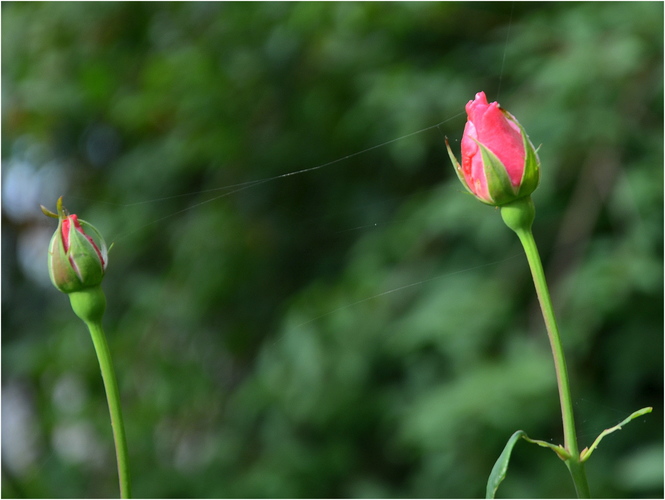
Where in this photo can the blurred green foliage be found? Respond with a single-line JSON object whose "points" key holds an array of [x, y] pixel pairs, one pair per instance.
{"points": [[258, 351]]}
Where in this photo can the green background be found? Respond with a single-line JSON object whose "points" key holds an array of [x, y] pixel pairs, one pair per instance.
{"points": [[257, 352]]}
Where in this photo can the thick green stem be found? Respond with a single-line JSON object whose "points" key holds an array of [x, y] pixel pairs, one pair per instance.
{"points": [[89, 305], [519, 217], [578, 473]]}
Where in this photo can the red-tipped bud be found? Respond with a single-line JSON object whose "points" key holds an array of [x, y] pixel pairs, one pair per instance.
{"points": [[77, 254], [499, 163]]}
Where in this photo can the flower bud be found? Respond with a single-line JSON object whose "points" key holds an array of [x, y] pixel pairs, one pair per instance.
{"points": [[77, 254], [499, 163]]}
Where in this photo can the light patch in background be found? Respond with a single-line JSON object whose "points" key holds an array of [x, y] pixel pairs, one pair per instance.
{"points": [[186, 451], [20, 190], [30, 177], [32, 249], [20, 434], [69, 394], [77, 442], [28, 181]]}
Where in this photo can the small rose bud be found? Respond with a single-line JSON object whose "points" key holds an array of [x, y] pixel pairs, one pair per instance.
{"points": [[499, 163], [77, 254]]}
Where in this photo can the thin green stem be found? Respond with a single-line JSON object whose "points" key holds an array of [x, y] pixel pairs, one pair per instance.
{"points": [[574, 465], [113, 397], [529, 244]]}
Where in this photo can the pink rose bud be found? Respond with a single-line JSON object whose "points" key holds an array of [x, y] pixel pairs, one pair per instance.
{"points": [[77, 256], [499, 163]]}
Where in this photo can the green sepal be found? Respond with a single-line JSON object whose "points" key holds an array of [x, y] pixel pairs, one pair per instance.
{"points": [[96, 236], [62, 213], [458, 167], [531, 173], [86, 261], [63, 276], [499, 187], [586, 452], [48, 213], [500, 468]]}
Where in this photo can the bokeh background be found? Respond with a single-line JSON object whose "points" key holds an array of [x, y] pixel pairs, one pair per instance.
{"points": [[257, 350]]}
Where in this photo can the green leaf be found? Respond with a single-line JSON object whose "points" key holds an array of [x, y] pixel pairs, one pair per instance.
{"points": [[500, 468], [586, 452]]}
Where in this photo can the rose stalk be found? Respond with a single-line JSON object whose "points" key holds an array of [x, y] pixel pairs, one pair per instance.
{"points": [[77, 261], [500, 167]]}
